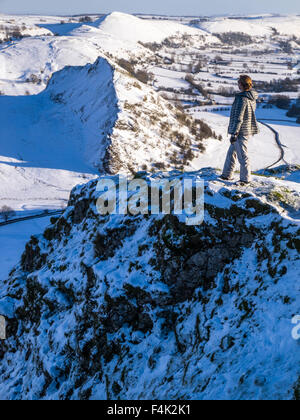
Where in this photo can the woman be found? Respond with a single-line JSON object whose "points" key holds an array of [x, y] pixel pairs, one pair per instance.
{"points": [[242, 126]]}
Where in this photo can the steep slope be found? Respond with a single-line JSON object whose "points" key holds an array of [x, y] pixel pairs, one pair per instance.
{"points": [[88, 119], [51, 145], [145, 307]]}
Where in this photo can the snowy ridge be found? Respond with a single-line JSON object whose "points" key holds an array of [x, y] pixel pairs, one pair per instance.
{"points": [[116, 34], [120, 134], [88, 119], [88, 94], [146, 307], [43, 56], [52, 146]]}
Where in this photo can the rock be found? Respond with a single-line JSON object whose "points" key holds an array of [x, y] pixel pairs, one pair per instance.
{"points": [[198, 260], [80, 210], [227, 343]]}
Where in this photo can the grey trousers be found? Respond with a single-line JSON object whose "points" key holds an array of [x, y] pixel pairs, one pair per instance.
{"points": [[238, 152]]}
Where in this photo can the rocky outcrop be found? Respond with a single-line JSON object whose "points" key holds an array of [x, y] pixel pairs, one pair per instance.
{"points": [[145, 307]]}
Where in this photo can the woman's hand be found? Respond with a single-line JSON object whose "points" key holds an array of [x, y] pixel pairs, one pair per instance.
{"points": [[233, 138]]}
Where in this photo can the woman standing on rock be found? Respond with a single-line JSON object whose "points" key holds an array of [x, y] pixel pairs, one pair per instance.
{"points": [[242, 126]]}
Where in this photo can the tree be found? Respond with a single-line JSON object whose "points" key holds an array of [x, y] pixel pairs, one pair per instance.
{"points": [[7, 213], [85, 19], [234, 38], [294, 111]]}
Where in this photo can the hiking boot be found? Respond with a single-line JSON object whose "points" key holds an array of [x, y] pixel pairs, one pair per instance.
{"points": [[224, 178], [243, 183]]}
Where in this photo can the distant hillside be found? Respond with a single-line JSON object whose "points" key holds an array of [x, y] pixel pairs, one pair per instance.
{"points": [[134, 29]]}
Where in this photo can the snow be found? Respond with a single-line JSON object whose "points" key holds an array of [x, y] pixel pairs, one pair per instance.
{"points": [[285, 25], [41, 57], [291, 141], [61, 135], [166, 78], [134, 29], [21, 24], [39, 174]]}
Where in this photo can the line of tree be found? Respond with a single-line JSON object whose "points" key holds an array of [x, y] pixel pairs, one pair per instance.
{"points": [[280, 101], [234, 38], [278, 85], [193, 82], [294, 110], [12, 32]]}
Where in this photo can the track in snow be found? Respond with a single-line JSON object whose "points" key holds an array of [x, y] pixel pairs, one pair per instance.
{"points": [[278, 142], [37, 216]]}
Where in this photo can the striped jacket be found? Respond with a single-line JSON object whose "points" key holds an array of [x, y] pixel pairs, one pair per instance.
{"points": [[242, 118]]}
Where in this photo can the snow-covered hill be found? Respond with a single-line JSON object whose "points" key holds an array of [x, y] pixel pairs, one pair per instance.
{"points": [[146, 307], [27, 65], [12, 27], [88, 119], [134, 29], [255, 26], [117, 35], [134, 307]]}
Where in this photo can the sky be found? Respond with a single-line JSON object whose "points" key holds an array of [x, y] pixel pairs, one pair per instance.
{"points": [[171, 7]]}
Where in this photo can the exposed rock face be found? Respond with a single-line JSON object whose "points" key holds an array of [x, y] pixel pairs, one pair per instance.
{"points": [[147, 307], [199, 254]]}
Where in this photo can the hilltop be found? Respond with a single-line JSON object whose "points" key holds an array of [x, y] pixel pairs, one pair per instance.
{"points": [[134, 29]]}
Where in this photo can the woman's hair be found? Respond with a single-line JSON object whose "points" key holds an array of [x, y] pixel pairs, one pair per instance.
{"points": [[246, 81]]}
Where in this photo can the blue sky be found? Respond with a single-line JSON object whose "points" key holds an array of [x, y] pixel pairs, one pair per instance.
{"points": [[174, 7]]}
